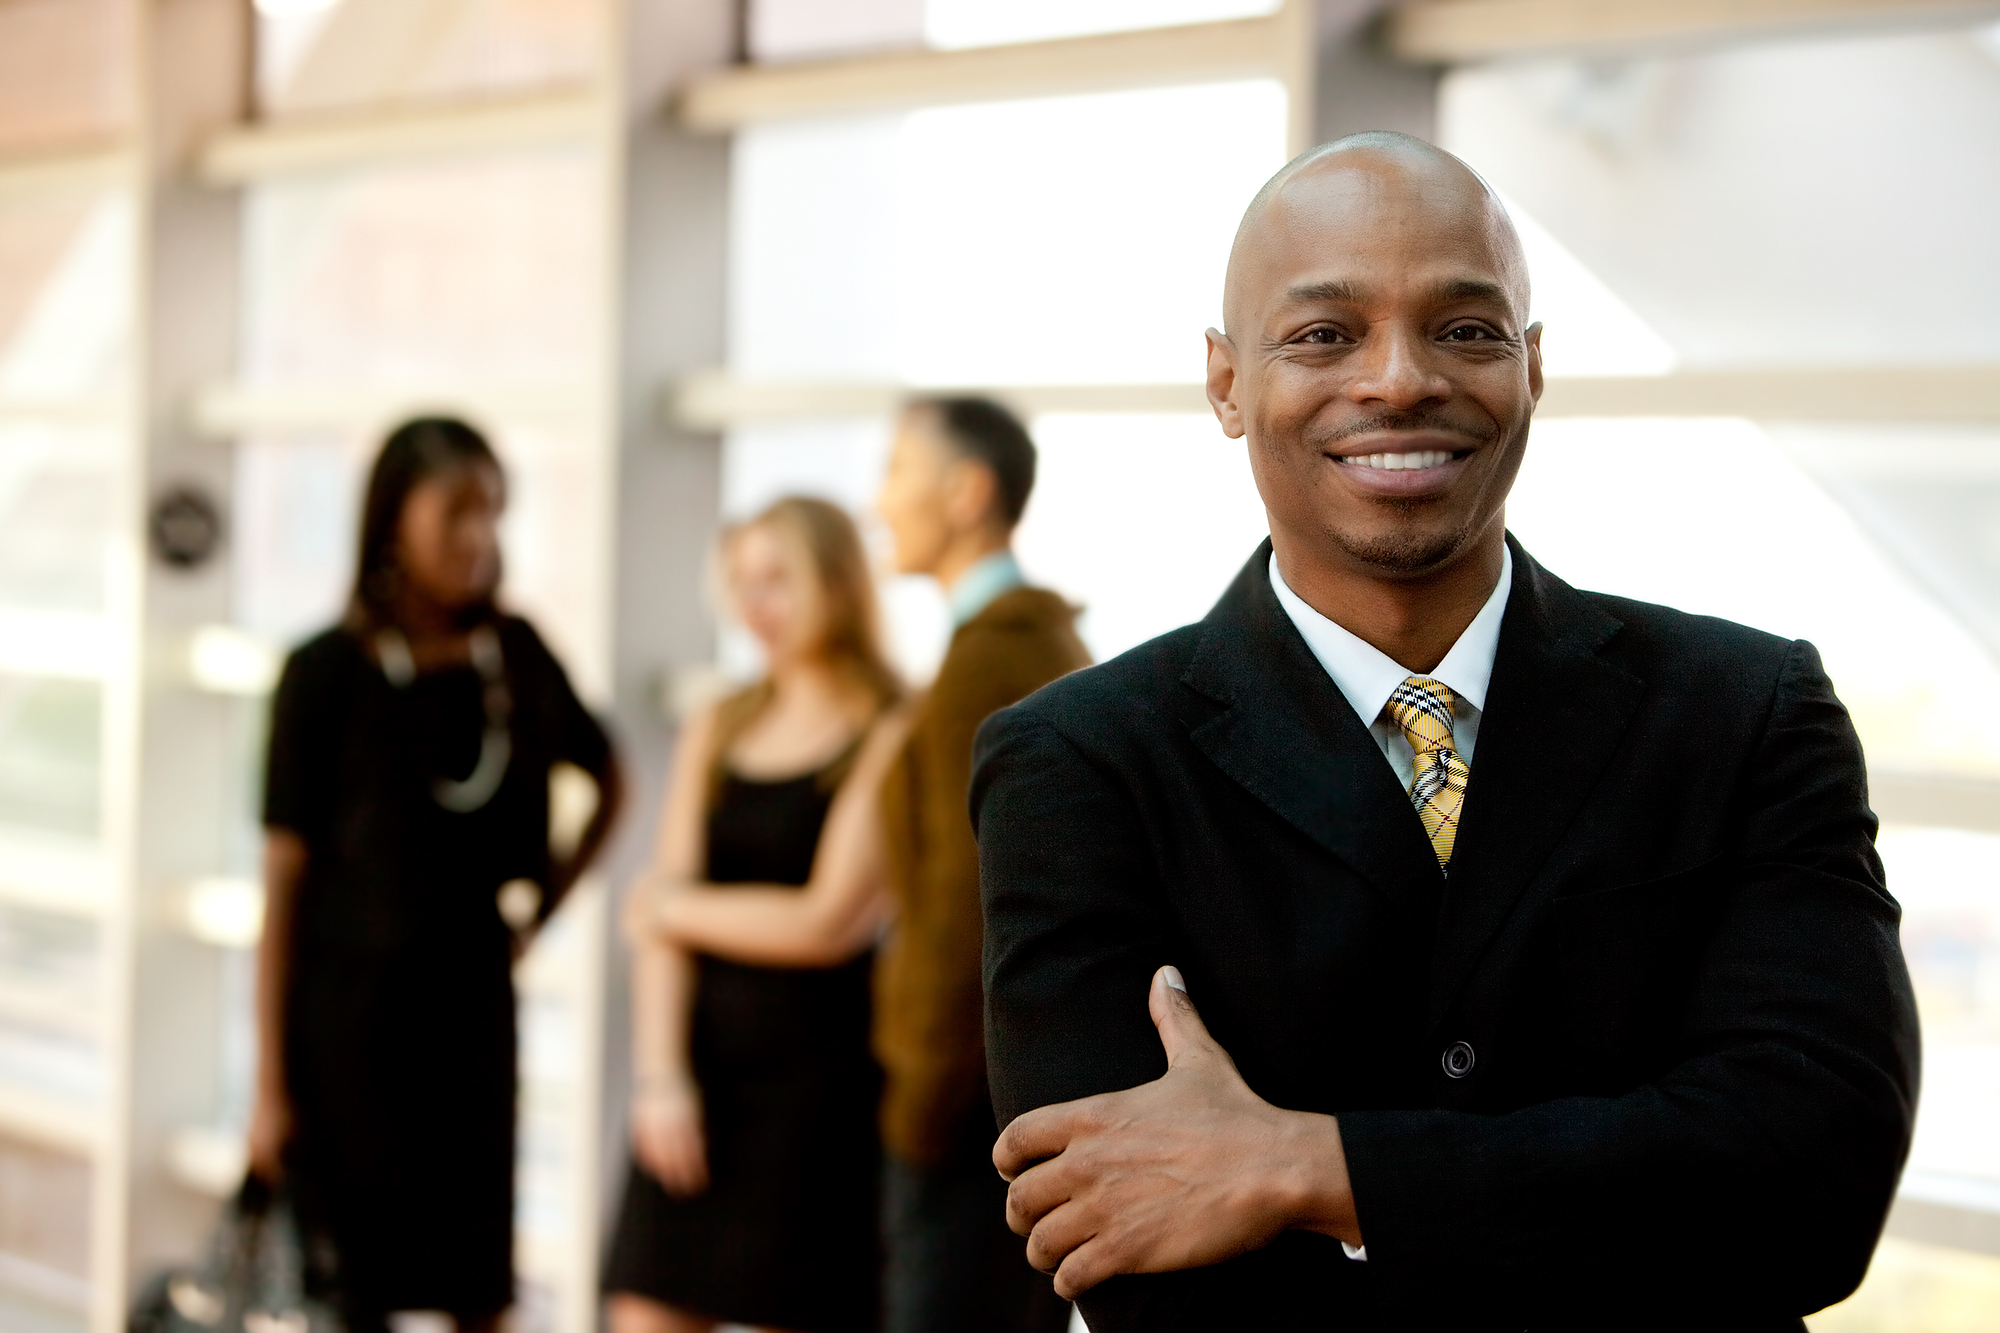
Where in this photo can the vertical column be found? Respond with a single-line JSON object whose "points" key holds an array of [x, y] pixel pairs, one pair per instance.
{"points": [[168, 765], [1361, 84], [665, 305]]}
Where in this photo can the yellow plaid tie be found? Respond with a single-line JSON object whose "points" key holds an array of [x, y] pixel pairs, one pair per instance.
{"points": [[1422, 707]]}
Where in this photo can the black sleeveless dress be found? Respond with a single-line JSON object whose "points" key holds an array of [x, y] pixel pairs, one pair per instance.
{"points": [[786, 1235]]}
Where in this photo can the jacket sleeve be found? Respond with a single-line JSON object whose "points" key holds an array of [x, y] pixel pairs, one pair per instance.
{"points": [[1073, 936], [1763, 1162], [950, 1082]]}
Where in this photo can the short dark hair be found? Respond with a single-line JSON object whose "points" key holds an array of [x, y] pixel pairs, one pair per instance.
{"points": [[987, 433], [415, 452]]}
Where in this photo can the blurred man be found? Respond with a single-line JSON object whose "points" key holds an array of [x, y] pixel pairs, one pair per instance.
{"points": [[1546, 973], [958, 479]]}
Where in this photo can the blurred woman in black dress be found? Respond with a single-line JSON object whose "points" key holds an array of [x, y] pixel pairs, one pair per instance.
{"points": [[407, 864], [751, 1198]]}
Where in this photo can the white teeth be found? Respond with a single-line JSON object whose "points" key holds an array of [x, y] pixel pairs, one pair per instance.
{"points": [[1401, 462]]}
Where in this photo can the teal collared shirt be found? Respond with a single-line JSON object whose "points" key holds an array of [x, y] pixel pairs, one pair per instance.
{"points": [[977, 587]]}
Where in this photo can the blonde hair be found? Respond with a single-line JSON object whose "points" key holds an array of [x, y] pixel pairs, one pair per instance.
{"points": [[850, 633]]}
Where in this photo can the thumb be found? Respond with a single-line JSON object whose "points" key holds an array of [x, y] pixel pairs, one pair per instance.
{"points": [[1180, 1027]]}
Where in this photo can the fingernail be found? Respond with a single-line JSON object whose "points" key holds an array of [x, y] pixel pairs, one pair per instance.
{"points": [[1173, 978]]}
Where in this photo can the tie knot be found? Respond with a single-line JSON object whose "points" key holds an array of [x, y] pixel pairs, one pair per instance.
{"points": [[1422, 707]]}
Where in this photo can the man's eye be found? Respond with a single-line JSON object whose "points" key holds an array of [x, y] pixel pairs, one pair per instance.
{"points": [[1467, 333], [1323, 336]]}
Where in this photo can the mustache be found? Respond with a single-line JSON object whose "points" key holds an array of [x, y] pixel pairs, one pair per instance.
{"points": [[1418, 419]]}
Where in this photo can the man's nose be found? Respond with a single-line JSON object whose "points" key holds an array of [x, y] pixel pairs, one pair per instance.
{"points": [[1394, 368]]}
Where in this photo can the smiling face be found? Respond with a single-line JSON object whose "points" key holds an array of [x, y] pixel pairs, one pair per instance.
{"points": [[1377, 360]]}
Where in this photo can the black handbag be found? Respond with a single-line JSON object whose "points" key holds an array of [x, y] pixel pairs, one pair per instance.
{"points": [[253, 1279]]}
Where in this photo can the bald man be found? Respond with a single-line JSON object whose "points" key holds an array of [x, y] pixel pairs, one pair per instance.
{"points": [[1417, 941]]}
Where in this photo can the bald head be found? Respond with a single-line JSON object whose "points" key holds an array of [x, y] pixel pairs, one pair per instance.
{"points": [[1379, 361], [1341, 194]]}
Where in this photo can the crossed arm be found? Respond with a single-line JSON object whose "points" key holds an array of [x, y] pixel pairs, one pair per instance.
{"points": [[1186, 1171], [835, 916]]}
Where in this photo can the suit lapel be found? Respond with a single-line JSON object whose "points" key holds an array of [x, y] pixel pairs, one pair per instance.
{"points": [[1288, 736], [1556, 711]]}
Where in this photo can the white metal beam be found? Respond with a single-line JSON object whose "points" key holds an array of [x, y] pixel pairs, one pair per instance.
{"points": [[228, 410], [1192, 53], [322, 143], [1935, 801], [1458, 31], [1958, 1211], [91, 168], [51, 1122], [52, 409], [1887, 393], [55, 872], [1971, 393], [714, 401]]}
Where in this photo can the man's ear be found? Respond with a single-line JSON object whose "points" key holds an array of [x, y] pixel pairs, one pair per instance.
{"points": [[971, 495], [1533, 338], [1222, 383]]}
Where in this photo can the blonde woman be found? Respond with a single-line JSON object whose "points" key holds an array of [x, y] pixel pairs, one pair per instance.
{"points": [[752, 1194]]}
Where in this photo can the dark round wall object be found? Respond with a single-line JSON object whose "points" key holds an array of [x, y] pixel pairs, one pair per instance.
{"points": [[185, 526]]}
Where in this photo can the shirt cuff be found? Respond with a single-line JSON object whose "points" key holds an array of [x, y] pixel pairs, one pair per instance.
{"points": [[1358, 1253]]}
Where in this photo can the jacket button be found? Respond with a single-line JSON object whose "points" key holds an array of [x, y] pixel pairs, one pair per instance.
{"points": [[1458, 1059]]}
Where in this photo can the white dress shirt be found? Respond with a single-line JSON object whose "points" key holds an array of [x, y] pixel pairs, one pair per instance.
{"points": [[1367, 676]]}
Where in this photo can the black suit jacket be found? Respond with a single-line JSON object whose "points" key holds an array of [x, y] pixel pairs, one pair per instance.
{"points": [[1665, 939]]}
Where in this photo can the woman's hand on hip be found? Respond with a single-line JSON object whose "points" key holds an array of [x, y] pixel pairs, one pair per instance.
{"points": [[270, 1133]]}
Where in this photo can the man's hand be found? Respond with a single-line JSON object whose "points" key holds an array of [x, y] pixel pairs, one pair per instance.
{"points": [[1188, 1170]]}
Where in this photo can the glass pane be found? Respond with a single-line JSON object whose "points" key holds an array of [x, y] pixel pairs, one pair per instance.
{"points": [[64, 77], [1716, 190], [49, 754], [1059, 240], [49, 985], [297, 510], [330, 55], [813, 249], [983, 23], [1712, 516], [1142, 546], [55, 516], [44, 1239], [65, 296], [1948, 881], [474, 271], [1069, 239]]}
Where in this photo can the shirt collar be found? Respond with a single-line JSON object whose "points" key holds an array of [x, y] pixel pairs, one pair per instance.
{"points": [[978, 586], [1367, 676]]}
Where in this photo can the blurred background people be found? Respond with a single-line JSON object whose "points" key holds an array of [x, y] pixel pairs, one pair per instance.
{"points": [[407, 863], [960, 472], [752, 1194]]}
